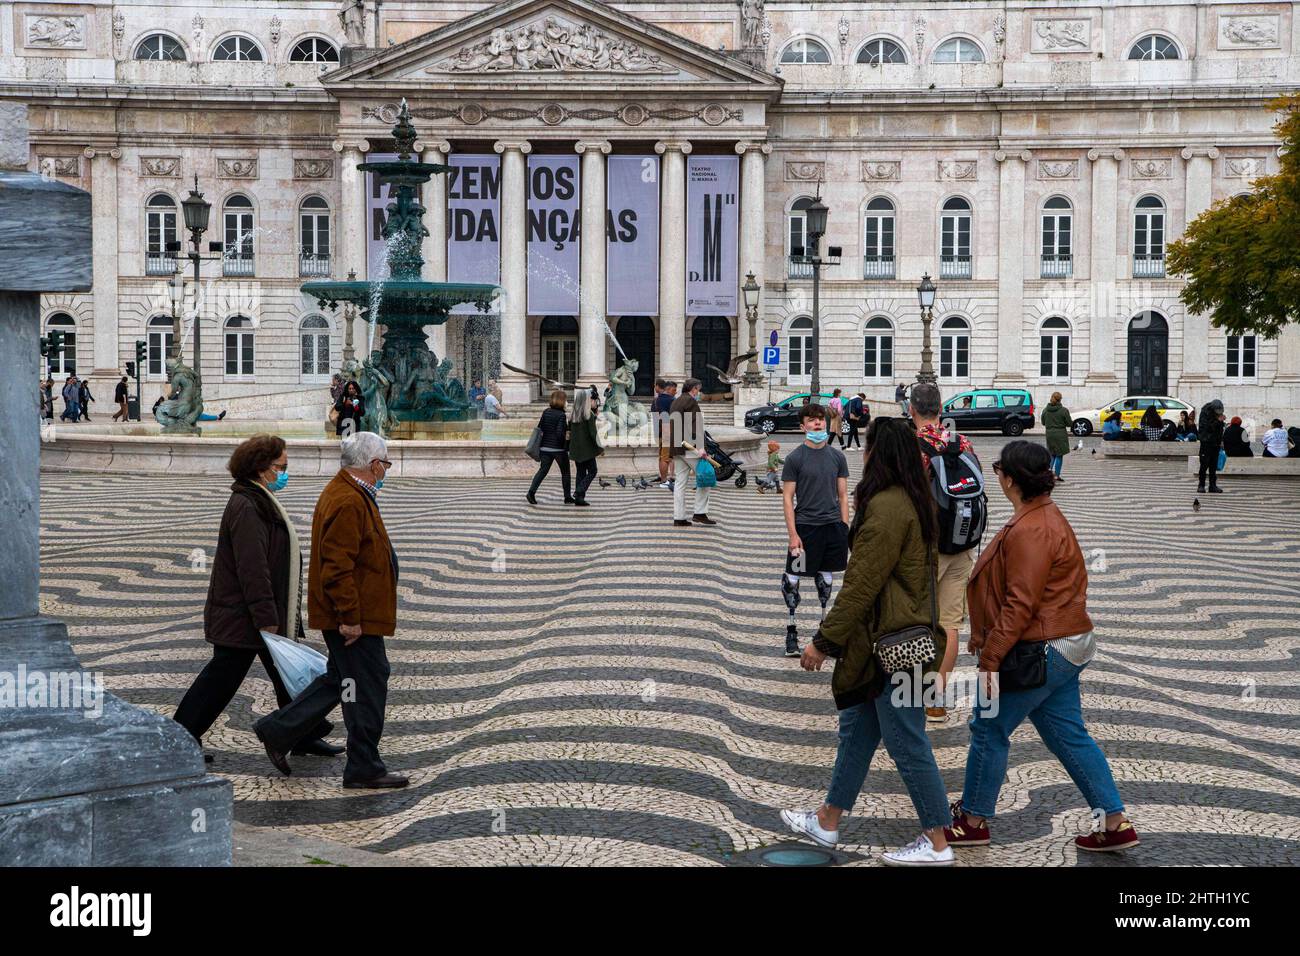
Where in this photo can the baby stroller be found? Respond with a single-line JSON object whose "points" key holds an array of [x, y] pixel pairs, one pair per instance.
{"points": [[725, 465]]}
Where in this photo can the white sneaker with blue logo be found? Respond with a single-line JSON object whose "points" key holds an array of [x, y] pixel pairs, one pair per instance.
{"points": [[920, 852], [806, 824]]}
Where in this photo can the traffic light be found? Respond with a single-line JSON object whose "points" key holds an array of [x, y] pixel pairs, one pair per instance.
{"points": [[54, 342], [141, 351], [45, 346], [130, 370]]}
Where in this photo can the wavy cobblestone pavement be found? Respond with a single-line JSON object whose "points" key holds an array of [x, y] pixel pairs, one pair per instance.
{"points": [[599, 687]]}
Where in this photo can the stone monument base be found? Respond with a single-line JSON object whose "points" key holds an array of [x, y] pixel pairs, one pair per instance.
{"points": [[194, 430], [469, 430]]}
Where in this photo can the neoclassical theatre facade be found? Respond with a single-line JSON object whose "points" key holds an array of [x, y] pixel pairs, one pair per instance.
{"points": [[626, 165]]}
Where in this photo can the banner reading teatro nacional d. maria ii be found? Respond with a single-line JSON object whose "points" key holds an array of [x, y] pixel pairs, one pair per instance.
{"points": [[712, 237], [473, 221]]}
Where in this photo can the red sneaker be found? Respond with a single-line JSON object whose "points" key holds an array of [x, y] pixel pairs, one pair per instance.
{"points": [[1109, 841], [961, 833]]}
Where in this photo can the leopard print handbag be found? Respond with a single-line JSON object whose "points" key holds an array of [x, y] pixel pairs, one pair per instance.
{"points": [[912, 646]]}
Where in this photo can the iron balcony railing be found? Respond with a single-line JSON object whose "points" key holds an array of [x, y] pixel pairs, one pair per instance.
{"points": [[1148, 266], [1058, 266], [877, 267], [954, 267]]}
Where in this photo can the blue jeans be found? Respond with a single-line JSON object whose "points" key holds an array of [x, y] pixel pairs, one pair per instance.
{"points": [[1057, 461], [1056, 711], [862, 727]]}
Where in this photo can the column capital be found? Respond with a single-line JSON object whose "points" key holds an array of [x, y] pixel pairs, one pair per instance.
{"points": [[1105, 152], [1002, 155], [753, 146], [594, 145], [679, 145], [1209, 152], [522, 145], [112, 152], [343, 145]]}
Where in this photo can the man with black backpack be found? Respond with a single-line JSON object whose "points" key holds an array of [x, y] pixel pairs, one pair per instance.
{"points": [[957, 483]]}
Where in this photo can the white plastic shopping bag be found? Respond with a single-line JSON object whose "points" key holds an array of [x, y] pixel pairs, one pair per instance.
{"points": [[298, 664]]}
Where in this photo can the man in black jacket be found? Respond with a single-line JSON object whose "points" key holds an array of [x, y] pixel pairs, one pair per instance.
{"points": [[120, 395], [85, 398]]}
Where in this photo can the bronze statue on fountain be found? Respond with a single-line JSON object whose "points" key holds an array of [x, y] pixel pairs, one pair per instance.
{"points": [[408, 392]]}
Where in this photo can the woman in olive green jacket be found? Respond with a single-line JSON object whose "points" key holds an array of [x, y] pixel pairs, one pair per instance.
{"points": [[887, 587], [1056, 419], [584, 446]]}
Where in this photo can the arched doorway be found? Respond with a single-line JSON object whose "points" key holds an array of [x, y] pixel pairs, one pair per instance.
{"points": [[636, 333], [710, 345], [559, 348], [1148, 354]]}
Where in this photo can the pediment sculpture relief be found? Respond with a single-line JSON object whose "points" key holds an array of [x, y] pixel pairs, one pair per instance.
{"points": [[553, 46]]}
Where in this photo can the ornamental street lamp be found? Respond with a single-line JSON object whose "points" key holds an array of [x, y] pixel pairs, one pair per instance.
{"points": [[926, 293], [197, 210], [815, 219], [751, 289]]}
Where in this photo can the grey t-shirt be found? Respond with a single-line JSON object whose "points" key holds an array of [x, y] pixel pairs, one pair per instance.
{"points": [[816, 473]]}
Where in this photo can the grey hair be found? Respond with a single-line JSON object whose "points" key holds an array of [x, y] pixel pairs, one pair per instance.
{"points": [[581, 405], [361, 449]]}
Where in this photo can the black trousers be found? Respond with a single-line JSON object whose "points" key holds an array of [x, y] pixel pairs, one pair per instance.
{"points": [[853, 435], [586, 475], [216, 685], [562, 459], [357, 678], [1210, 466]]}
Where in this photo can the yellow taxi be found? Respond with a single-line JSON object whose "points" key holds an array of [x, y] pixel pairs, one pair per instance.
{"points": [[1131, 409]]}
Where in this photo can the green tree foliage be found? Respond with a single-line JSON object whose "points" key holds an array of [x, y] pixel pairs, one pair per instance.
{"points": [[1241, 257]]}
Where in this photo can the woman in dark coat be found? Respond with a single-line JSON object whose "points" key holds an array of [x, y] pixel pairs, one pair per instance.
{"points": [[1056, 419], [1210, 429], [554, 447], [1235, 444], [256, 566], [351, 407], [584, 446]]}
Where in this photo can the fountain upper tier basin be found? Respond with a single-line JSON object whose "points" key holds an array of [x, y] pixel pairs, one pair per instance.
{"points": [[433, 300], [405, 173]]}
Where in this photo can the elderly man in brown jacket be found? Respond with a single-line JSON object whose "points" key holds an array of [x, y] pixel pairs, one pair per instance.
{"points": [[352, 600]]}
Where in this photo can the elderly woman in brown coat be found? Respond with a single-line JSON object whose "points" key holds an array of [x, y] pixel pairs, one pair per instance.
{"points": [[255, 586]]}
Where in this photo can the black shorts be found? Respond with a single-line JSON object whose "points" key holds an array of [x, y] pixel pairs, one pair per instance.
{"points": [[825, 548]]}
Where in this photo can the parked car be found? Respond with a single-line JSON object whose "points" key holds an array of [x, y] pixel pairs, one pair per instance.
{"points": [[1131, 409], [783, 416], [1008, 410]]}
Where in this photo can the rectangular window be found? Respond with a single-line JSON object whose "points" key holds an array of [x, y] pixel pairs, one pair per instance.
{"points": [[954, 356], [1054, 356], [1241, 356], [878, 356]]}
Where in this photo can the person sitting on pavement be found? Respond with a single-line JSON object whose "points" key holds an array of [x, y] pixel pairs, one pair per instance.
{"points": [[1235, 443]]}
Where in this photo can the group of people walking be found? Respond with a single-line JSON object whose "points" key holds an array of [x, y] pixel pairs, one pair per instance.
{"points": [[892, 631], [76, 399]]}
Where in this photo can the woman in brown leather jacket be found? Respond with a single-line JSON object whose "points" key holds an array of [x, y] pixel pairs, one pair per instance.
{"points": [[1031, 585]]}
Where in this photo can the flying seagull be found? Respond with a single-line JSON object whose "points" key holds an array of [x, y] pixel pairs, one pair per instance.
{"points": [[729, 377], [548, 382]]}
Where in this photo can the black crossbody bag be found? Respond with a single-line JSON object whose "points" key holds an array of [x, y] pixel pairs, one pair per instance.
{"points": [[1024, 667]]}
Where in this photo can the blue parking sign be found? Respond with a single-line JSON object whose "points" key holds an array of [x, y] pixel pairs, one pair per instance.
{"points": [[771, 356]]}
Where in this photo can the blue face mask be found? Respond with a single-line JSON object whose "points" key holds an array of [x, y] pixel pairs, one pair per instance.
{"points": [[281, 479], [379, 484], [817, 437]]}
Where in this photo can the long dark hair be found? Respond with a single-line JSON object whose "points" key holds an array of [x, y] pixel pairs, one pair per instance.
{"points": [[893, 457]]}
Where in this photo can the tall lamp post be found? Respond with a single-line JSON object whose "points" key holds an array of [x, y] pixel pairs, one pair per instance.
{"points": [[815, 218], [751, 289], [197, 210], [926, 292]]}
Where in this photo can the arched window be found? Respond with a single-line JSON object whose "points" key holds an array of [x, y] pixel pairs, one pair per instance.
{"points": [[1149, 238], [64, 361], [803, 51], [1054, 350], [797, 234], [159, 46], [314, 50], [239, 347], [160, 229], [800, 350], [954, 348], [958, 50], [954, 239], [162, 338], [314, 237], [237, 48], [1153, 47], [237, 215], [1058, 248], [878, 240], [882, 50], [878, 349], [314, 338]]}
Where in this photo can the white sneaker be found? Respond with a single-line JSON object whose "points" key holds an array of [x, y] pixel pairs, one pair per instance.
{"points": [[806, 824], [920, 852], [666, 484]]}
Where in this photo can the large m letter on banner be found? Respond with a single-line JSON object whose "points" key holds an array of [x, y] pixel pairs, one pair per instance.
{"points": [[712, 236]]}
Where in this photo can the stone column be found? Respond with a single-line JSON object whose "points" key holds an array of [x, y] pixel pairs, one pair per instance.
{"points": [[591, 308], [1011, 266], [672, 260], [1198, 177], [1288, 356], [515, 388], [753, 198], [352, 214], [1105, 232], [434, 248], [104, 216]]}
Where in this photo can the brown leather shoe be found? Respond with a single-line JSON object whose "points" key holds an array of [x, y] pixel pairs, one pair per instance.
{"points": [[277, 757], [317, 748], [702, 519], [389, 781]]}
